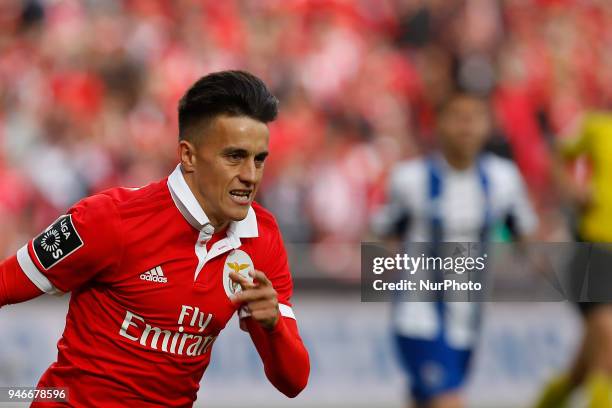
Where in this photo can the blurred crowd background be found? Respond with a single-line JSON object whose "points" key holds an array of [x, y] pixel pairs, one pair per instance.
{"points": [[88, 101], [89, 89]]}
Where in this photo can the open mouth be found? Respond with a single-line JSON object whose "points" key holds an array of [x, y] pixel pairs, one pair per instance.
{"points": [[241, 197]]}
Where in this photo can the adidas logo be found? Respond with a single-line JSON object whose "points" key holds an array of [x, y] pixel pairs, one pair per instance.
{"points": [[154, 275]]}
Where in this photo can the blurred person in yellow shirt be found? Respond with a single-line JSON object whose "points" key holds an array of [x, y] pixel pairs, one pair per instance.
{"points": [[593, 140], [592, 198]]}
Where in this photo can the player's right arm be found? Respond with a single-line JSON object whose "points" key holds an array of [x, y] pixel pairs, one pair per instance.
{"points": [[76, 248], [393, 218], [15, 286]]}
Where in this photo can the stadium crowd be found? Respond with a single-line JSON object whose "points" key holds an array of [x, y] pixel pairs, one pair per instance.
{"points": [[88, 94]]}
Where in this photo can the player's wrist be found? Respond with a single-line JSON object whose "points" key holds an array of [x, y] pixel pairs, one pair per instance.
{"points": [[277, 327]]}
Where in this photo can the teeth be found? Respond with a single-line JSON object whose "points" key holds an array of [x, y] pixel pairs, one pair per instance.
{"points": [[240, 193], [240, 196]]}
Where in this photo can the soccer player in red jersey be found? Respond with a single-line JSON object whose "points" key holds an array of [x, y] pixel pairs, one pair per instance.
{"points": [[157, 272]]}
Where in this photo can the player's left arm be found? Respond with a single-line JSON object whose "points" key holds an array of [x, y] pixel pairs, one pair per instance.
{"points": [[276, 338], [271, 322]]}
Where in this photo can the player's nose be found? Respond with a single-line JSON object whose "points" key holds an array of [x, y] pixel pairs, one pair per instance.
{"points": [[248, 172]]}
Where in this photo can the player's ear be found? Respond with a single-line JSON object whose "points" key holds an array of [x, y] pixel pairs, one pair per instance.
{"points": [[187, 155]]}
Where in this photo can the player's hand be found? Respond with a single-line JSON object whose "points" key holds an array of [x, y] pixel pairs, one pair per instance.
{"points": [[259, 297]]}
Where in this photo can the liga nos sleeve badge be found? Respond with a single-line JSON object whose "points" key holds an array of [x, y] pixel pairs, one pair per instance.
{"points": [[57, 242]]}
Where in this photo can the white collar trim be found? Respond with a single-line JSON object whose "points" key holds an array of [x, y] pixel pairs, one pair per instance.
{"points": [[189, 207]]}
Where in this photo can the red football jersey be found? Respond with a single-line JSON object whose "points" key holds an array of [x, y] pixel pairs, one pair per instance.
{"points": [[150, 290]]}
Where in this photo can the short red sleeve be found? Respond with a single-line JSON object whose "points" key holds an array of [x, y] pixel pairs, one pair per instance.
{"points": [[76, 248]]}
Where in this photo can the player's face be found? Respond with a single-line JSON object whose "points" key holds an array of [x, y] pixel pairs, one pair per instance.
{"points": [[228, 166], [464, 127]]}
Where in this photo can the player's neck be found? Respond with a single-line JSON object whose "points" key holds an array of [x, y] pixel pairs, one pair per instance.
{"points": [[458, 162], [219, 226]]}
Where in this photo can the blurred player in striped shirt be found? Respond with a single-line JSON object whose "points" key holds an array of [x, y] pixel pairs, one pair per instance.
{"points": [[458, 194]]}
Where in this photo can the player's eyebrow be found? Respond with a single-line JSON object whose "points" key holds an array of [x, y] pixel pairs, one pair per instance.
{"points": [[229, 151], [262, 156]]}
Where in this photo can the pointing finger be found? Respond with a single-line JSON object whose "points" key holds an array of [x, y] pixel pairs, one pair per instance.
{"points": [[260, 278], [241, 280], [253, 294]]}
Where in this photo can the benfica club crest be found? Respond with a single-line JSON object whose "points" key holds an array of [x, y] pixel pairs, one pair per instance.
{"points": [[240, 262]]}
